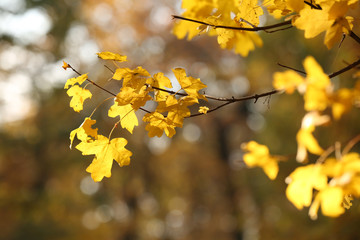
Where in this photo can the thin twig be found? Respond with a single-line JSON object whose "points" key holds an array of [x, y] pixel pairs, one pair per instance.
{"points": [[253, 29], [294, 69], [313, 5], [350, 145], [104, 89], [92, 82], [347, 68], [221, 99], [354, 36]]}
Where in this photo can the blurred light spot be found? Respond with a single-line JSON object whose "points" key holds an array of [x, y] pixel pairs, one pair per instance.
{"points": [[240, 85], [12, 5], [86, 52], [88, 186], [12, 57], [160, 17], [236, 161], [121, 211], [155, 228], [154, 45], [255, 121], [191, 132], [104, 213], [89, 220], [28, 27], [158, 145], [79, 46], [230, 64], [126, 36], [177, 203], [148, 204], [102, 15], [175, 219], [57, 79], [15, 99]]}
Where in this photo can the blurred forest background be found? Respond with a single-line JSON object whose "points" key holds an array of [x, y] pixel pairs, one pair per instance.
{"points": [[193, 186]]}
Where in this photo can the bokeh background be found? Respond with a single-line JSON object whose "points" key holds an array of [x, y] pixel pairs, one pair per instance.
{"points": [[193, 186]]}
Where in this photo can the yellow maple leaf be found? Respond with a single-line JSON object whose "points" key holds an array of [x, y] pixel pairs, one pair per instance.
{"points": [[79, 80], [301, 183], [105, 152], [159, 80], [203, 109], [157, 124], [342, 101], [84, 131], [250, 11], [305, 139], [79, 95], [112, 56], [278, 8], [288, 80], [318, 86], [335, 33], [308, 17], [330, 199], [136, 97], [258, 156], [128, 119], [190, 85], [177, 108], [135, 78]]}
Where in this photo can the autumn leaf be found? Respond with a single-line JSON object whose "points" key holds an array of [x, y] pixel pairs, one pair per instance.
{"points": [[65, 65], [308, 17], [79, 80], [190, 85], [302, 181], [79, 95], [305, 138], [288, 81], [177, 108], [132, 78], [157, 124], [258, 156], [84, 131], [330, 199], [136, 97], [128, 119], [203, 109], [159, 80], [112, 56], [105, 152]]}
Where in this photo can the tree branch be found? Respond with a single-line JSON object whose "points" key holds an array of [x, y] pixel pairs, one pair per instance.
{"points": [[253, 29], [354, 64], [354, 36], [100, 87]]}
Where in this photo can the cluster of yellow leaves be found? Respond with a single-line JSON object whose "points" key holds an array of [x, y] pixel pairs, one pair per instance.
{"points": [[319, 94], [335, 182], [138, 87], [330, 16], [244, 13]]}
